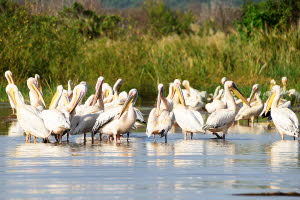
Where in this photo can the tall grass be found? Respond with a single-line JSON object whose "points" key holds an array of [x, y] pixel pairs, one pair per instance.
{"points": [[46, 45]]}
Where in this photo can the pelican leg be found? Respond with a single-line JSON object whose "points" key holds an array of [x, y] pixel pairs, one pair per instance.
{"points": [[27, 138], [92, 134], [84, 138], [218, 136], [34, 140], [184, 135], [282, 136], [191, 134], [68, 135], [60, 138], [56, 138], [128, 137], [294, 138], [252, 121], [100, 137], [166, 138], [154, 137]]}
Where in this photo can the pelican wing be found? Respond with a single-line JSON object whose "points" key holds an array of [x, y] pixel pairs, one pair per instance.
{"points": [[198, 116], [286, 121], [139, 116], [219, 119], [152, 122], [104, 118], [187, 120], [54, 120], [85, 124]]}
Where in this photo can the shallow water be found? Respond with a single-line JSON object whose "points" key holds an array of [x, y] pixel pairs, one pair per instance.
{"points": [[251, 160]]}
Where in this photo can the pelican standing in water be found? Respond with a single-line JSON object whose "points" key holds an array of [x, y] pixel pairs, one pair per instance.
{"points": [[285, 120], [116, 123], [256, 108], [221, 120], [31, 122], [86, 122], [161, 118], [9, 78], [190, 121]]}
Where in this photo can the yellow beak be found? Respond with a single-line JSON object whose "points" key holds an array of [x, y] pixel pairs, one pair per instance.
{"points": [[240, 95], [180, 95], [39, 94], [53, 99], [269, 102]]}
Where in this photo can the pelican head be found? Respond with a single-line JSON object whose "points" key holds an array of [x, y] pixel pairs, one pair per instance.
{"points": [[177, 82], [272, 83], [70, 84], [33, 86], [186, 84], [8, 76], [131, 99], [12, 90], [38, 80], [79, 92], [56, 97], [231, 85], [177, 89], [160, 89], [117, 87], [98, 89], [255, 90], [275, 92], [223, 80], [106, 90]]}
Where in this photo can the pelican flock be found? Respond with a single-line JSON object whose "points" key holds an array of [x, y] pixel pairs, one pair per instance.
{"points": [[112, 113]]}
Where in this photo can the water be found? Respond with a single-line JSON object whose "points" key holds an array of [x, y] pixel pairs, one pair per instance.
{"points": [[251, 160]]}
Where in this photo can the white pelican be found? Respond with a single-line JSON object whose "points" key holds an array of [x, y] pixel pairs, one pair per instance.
{"points": [[217, 103], [86, 122], [256, 108], [190, 121], [221, 120], [35, 95], [8, 76], [30, 121], [268, 93], [57, 121], [93, 103], [193, 98], [116, 122], [161, 118], [285, 120]]}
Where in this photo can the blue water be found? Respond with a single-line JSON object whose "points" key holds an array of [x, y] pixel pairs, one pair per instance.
{"points": [[251, 160]]}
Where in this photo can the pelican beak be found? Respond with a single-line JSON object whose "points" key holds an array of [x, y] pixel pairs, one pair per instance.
{"points": [[158, 102], [98, 90], [237, 92], [56, 96], [12, 96], [35, 87], [180, 95], [252, 95], [78, 96], [11, 81], [269, 102], [129, 100]]}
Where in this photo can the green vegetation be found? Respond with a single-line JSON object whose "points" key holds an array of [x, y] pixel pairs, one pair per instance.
{"points": [[80, 44]]}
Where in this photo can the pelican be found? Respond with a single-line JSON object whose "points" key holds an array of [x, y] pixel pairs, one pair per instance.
{"points": [[193, 98], [161, 118], [256, 108], [268, 93], [57, 121], [117, 122], [91, 105], [86, 122], [8, 76], [221, 120], [285, 120], [190, 121], [30, 121], [35, 95], [217, 104]]}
